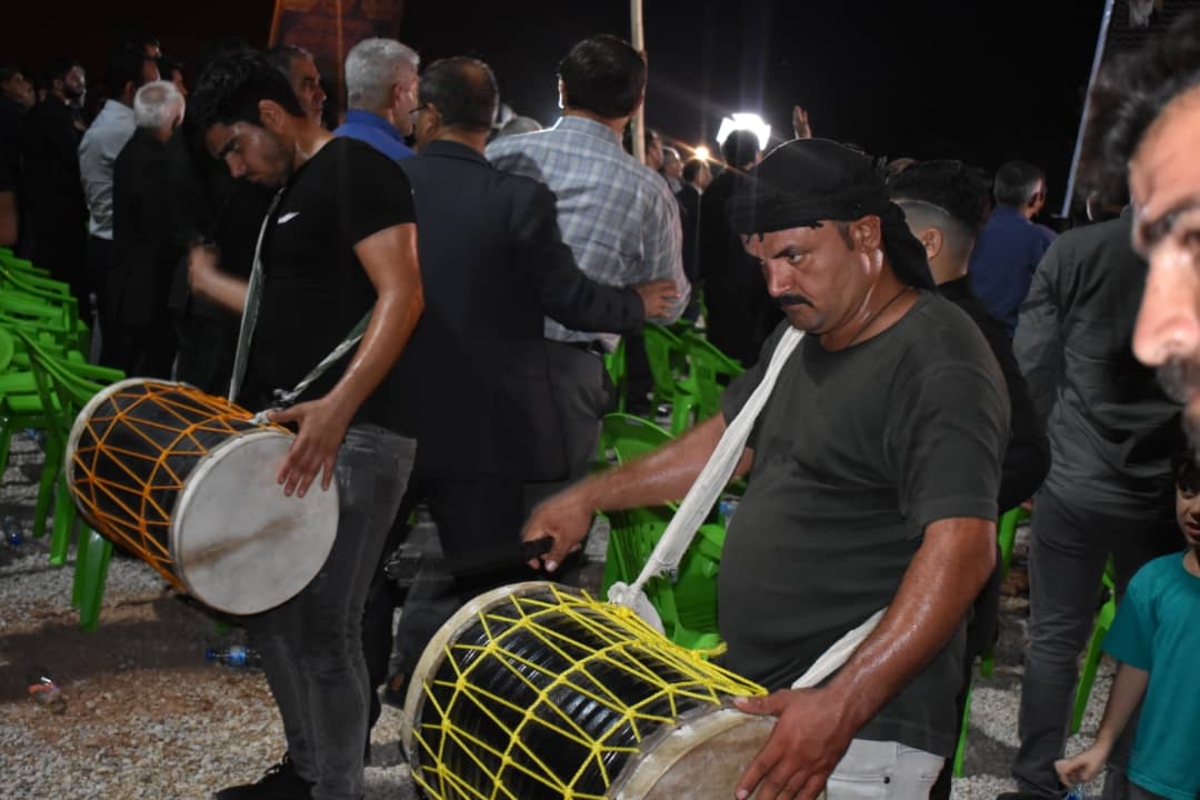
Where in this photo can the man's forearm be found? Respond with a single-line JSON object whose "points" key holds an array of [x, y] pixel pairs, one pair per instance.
{"points": [[661, 476], [945, 576]]}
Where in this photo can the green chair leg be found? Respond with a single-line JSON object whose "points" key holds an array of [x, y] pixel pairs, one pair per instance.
{"points": [[91, 573], [51, 468], [64, 524], [961, 748], [1092, 662]]}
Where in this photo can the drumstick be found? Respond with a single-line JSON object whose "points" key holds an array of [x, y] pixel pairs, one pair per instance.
{"points": [[482, 561]]}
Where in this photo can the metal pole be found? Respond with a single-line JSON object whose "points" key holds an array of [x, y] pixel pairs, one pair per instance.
{"points": [[638, 40], [1087, 103]]}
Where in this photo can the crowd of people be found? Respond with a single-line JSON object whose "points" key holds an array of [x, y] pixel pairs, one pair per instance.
{"points": [[461, 275]]}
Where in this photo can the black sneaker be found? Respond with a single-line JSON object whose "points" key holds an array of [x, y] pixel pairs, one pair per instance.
{"points": [[280, 782]]}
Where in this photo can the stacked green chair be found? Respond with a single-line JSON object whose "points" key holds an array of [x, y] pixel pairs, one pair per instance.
{"points": [[686, 604], [64, 386], [710, 371], [667, 356], [614, 364]]}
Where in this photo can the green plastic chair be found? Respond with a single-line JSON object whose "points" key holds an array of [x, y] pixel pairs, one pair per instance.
{"points": [[65, 386], [614, 364], [1095, 651], [703, 387], [1006, 535], [629, 436], [667, 356]]}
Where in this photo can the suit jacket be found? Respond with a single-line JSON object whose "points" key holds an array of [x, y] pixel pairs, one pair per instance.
{"points": [[493, 264], [689, 218], [155, 210]]}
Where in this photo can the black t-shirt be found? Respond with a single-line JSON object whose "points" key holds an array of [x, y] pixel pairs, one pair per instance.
{"points": [[855, 452], [315, 289]]}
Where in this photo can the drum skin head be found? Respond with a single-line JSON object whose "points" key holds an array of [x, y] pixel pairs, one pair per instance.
{"points": [[239, 544]]}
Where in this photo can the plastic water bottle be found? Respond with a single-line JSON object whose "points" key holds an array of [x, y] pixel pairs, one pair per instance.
{"points": [[234, 656], [12, 530], [1076, 793], [45, 692]]}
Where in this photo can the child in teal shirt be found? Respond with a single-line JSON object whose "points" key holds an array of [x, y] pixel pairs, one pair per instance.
{"points": [[1156, 637]]}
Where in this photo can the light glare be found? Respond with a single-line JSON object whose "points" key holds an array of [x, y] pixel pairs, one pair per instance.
{"points": [[744, 121]]}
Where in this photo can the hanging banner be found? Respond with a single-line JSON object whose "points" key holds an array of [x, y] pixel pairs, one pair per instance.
{"points": [[329, 28]]}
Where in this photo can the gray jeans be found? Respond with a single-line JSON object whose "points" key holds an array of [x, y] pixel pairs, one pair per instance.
{"points": [[1068, 548], [873, 770], [311, 645]]}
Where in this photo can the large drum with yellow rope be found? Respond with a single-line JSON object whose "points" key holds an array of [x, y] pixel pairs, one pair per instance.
{"points": [[536, 691]]}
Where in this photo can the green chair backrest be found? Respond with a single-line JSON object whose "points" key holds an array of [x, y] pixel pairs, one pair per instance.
{"points": [[629, 436], [708, 364], [666, 354]]}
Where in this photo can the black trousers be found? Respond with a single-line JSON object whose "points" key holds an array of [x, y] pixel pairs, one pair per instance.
{"points": [[474, 515]]}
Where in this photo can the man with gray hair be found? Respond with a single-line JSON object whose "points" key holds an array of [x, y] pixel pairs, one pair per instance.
{"points": [[381, 94], [155, 207]]}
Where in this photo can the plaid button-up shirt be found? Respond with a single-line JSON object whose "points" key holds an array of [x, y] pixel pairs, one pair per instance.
{"points": [[617, 216]]}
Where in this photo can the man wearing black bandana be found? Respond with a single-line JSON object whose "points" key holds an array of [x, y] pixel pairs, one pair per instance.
{"points": [[873, 474]]}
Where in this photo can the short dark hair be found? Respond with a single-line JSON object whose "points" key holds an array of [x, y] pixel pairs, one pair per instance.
{"points": [[1129, 95], [281, 56], [952, 186], [952, 191], [216, 46], [124, 66], [56, 69], [692, 168], [8, 72], [1184, 466], [232, 86], [463, 90], [604, 75], [740, 148], [1017, 182]]}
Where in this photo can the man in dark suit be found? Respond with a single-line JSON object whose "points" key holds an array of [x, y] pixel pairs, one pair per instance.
{"points": [[154, 217], [53, 193], [480, 400], [696, 178]]}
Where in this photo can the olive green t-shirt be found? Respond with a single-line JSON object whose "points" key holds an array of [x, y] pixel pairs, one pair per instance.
{"points": [[855, 452]]}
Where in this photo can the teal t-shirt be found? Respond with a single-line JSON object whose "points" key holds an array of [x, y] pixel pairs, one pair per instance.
{"points": [[1157, 629]]}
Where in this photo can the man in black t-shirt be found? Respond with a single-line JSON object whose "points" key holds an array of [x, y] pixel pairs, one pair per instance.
{"points": [[873, 474], [339, 242]]}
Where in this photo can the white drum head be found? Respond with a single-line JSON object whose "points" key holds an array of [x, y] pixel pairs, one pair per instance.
{"points": [[239, 544]]}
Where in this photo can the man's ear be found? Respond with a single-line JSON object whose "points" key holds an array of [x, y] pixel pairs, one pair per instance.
{"points": [[867, 233], [562, 94], [271, 115], [933, 241]]}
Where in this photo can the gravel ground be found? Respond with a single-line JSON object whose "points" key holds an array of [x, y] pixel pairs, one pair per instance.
{"points": [[147, 717]]}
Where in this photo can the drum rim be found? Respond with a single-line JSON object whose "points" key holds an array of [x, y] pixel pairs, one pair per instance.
{"points": [[191, 486], [432, 657], [89, 408]]}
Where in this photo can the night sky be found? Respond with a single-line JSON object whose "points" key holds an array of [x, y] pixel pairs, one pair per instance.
{"points": [[983, 81]]}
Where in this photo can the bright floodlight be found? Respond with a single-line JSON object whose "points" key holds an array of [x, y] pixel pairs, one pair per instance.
{"points": [[701, 153], [745, 122]]}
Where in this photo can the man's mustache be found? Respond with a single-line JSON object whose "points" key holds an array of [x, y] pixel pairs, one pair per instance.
{"points": [[1177, 376], [785, 300]]}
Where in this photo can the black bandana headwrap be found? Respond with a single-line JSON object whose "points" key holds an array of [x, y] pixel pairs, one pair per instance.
{"points": [[806, 181]]}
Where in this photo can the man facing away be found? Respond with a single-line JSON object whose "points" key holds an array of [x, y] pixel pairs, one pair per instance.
{"points": [[1010, 246], [341, 243], [381, 93], [873, 474], [617, 216]]}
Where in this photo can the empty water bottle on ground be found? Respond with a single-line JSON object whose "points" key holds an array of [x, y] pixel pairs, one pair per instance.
{"points": [[45, 692], [234, 656], [12, 530]]}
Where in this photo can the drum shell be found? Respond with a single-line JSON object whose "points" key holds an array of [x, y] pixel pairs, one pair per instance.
{"points": [[143, 460], [708, 746]]}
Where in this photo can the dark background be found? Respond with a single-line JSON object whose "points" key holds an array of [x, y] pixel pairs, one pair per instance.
{"points": [[986, 81]]}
